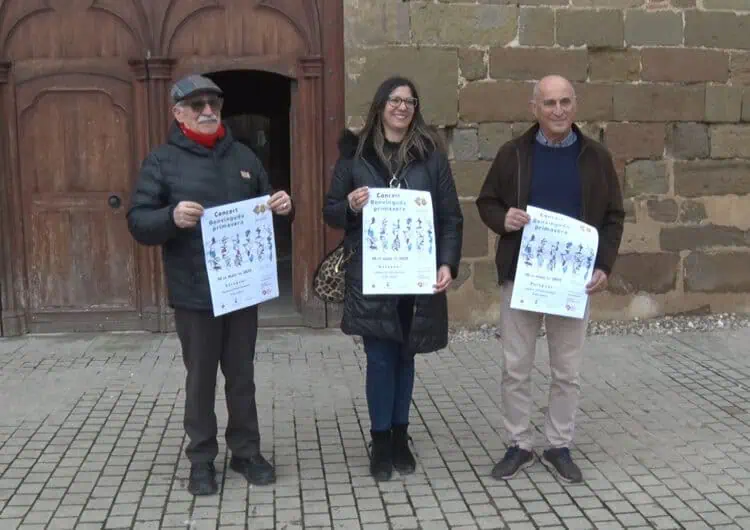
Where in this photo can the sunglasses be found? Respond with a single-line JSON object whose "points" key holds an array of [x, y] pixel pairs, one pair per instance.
{"points": [[198, 104]]}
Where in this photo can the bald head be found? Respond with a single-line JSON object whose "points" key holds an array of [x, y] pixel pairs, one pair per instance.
{"points": [[551, 83], [553, 104]]}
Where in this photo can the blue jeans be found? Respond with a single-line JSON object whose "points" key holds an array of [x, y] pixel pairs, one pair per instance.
{"points": [[390, 382]]}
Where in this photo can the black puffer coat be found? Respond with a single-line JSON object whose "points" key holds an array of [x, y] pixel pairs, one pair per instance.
{"points": [[377, 315], [183, 170]]}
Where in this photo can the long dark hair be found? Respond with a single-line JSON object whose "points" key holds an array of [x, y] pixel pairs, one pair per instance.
{"points": [[419, 137]]}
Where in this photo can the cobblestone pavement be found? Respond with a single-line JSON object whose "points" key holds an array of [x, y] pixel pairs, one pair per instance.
{"points": [[91, 437]]}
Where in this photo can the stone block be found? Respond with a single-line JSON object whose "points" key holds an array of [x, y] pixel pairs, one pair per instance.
{"points": [[469, 176], [536, 26], [476, 234], [375, 23], [522, 64], [595, 101], [739, 68], [613, 4], [723, 103], [730, 141], [688, 140], [591, 129], [635, 140], [684, 65], [472, 65], [629, 207], [593, 28], [746, 105], [463, 24], [543, 2], [491, 137], [614, 65], [715, 29], [484, 276], [723, 272], [705, 236], [662, 210], [733, 5], [646, 177], [699, 178], [465, 144], [683, 4], [434, 71], [692, 212], [652, 102], [648, 272], [487, 101], [653, 28]]}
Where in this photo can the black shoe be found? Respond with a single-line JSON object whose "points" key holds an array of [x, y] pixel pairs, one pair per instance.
{"points": [[559, 462], [381, 456], [515, 460], [403, 459], [203, 479], [256, 469]]}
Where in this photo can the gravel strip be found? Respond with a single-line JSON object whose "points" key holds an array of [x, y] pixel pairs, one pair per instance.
{"points": [[666, 325]]}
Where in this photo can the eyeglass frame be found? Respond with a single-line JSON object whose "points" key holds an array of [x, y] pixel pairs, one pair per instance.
{"points": [[396, 101]]}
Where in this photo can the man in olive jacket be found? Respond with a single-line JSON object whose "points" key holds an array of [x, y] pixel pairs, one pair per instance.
{"points": [[202, 166], [556, 167]]}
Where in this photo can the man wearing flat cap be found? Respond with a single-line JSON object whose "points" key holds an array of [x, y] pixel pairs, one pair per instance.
{"points": [[201, 166]]}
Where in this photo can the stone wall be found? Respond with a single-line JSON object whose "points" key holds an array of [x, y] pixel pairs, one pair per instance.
{"points": [[661, 83]]}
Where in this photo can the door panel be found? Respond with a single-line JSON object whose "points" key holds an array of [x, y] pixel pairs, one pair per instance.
{"points": [[76, 167]]}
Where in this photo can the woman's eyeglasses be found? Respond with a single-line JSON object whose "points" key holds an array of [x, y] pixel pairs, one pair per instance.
{"points": [[396, 101]]}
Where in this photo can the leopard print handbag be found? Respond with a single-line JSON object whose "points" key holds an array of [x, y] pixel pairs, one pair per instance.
{"points": [[328, 281]]}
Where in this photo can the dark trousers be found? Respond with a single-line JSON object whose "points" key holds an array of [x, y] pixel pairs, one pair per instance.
{"points": [[390, 375], [207, 343], [390, 383]]}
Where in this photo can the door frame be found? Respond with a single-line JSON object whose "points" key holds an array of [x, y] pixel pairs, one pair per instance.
{"points": [[13, 320], [307, 161]]}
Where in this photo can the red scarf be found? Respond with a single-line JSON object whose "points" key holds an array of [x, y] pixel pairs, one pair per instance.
{"points": [[206, 140]]}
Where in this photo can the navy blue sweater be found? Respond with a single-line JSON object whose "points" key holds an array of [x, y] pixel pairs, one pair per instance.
{"points": [[555, 181]]}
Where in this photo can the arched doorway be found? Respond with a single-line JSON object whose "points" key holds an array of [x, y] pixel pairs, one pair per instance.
{"points": [[257, 108]]}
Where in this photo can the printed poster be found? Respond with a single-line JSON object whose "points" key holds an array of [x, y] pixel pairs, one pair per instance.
{"points": [[240, 253], [555, 264], [398, 243]]}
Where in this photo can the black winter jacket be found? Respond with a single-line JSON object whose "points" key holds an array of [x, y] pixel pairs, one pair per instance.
{"points": [[377, 315], [183, 170]]}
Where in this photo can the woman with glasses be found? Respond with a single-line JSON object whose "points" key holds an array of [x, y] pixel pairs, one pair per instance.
{"points": [[395, 149]]}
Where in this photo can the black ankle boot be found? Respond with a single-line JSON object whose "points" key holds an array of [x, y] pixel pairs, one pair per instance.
{"points": [[403, 459], [381, 462]]}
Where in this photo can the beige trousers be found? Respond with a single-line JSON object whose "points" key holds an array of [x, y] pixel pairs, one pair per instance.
{"points": [[565, 337]]}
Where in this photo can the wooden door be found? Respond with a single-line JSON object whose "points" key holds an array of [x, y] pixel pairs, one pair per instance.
{"points": [[76, 168]]}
